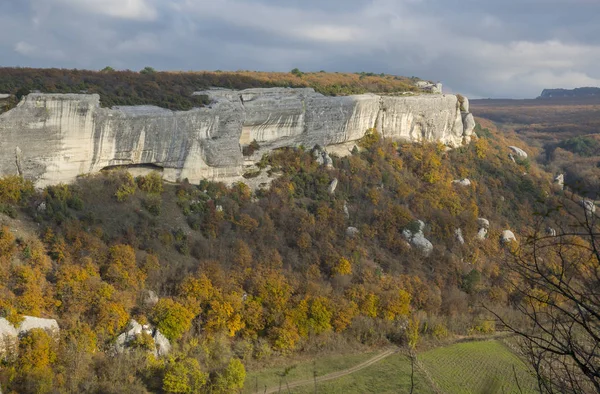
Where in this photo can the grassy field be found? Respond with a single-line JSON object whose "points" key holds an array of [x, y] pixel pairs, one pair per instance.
{"points": [[477, 367], [470, 367], [391, 375], [270, 377]]}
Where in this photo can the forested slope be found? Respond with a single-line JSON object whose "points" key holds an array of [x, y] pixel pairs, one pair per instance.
{"points": [[242, 276]]}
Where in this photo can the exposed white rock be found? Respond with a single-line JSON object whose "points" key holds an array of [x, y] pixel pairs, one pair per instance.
{"points": [[459, 236], [332, 186], [42, 207], [482, 234], [219, 208], [322, 157], [464, 104], [418, 239], [352, 232], [560, 181], [9, 333], [483, 223], [30, 322], [346, 211], [519, 152], [508, 236], [484, 226], [462, 182], [510, 156], [589, 206], [468, 126], [61, 136], [550, 232], [162, 346]]}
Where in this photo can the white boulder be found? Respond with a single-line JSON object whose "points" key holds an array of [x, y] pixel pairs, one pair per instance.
{"points": [[332, 186], [418, 239], [483, 223], [462, 182], [162, 346], [352, 232], [459, 236], [519, 152], [589, 206], [560, 181], [508, 236]]}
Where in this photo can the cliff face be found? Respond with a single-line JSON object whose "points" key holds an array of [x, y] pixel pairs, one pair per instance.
{"points": [[54, 138]]}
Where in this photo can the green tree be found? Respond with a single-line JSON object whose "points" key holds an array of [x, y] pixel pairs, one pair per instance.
{"points": [[184, 376], [171, 318], [231, 379]]}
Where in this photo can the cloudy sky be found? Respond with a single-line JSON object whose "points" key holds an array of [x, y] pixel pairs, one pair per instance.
{"points": [[482, 48]]}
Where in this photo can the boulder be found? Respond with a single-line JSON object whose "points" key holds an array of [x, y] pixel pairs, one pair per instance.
{"points": [[346, 211], [418, 239], [352, 232], [162, 346], [550, 232], [462, 182], [519, 152], [459, 236], [508, 236], [589, 206], [30, 322], [483, 223], [559, 180], [332, 186], [9, 333], [482, 234]]}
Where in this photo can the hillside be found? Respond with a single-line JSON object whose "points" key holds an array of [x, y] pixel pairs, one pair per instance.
{"points": [[574, 93], [563, 129], [173, 90], [299, 268]]}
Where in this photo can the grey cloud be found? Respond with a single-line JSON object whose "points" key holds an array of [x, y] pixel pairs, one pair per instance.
{"points": [[512, 48]]}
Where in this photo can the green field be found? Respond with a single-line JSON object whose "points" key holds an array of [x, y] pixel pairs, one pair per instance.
{"points": [[469, 367], [270, 377], [477, 367], [391, 375]]}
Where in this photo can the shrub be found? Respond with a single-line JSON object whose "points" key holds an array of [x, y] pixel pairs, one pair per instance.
{"points": [[151, 183], [250, 149], [152, 204], [14, 188]]}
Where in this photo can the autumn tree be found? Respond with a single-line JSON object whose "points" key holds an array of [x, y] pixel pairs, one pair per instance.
{"points": [[171, 318], [555, 281]]}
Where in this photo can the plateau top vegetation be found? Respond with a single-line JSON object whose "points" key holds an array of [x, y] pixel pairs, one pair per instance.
{"points": [[173, 90]]}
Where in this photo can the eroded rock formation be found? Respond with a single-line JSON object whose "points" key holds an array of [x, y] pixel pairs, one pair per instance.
{"points": [[53, 138]]}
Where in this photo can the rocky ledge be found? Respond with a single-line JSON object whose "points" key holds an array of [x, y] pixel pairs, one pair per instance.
{"points": [[52, 138]]}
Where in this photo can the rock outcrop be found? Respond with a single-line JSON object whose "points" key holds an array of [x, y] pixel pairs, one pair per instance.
{"points": [[9, 333], [484, 227], [508, 236], [559, 180], [52, 138], [418, 240], [519, 152], [162, 346], [462, 182]]}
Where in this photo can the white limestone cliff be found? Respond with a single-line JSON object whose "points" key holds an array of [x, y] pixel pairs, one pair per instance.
{"points": [[52, 138]]}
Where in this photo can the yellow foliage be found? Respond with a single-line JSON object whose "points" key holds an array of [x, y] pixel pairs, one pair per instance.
{"points": [[343, 267]]}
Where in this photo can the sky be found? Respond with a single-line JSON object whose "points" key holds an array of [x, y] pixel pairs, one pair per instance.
{"points": [[480, 48]]}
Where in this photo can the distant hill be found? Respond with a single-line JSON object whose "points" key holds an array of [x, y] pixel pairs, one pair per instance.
{"points": [[562, 93]]}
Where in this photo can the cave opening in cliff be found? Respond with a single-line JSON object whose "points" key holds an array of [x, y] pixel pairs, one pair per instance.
{"points": [[142, 169]]}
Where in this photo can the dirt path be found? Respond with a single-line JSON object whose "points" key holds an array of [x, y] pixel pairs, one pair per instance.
{"points": [[331, 376]]}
